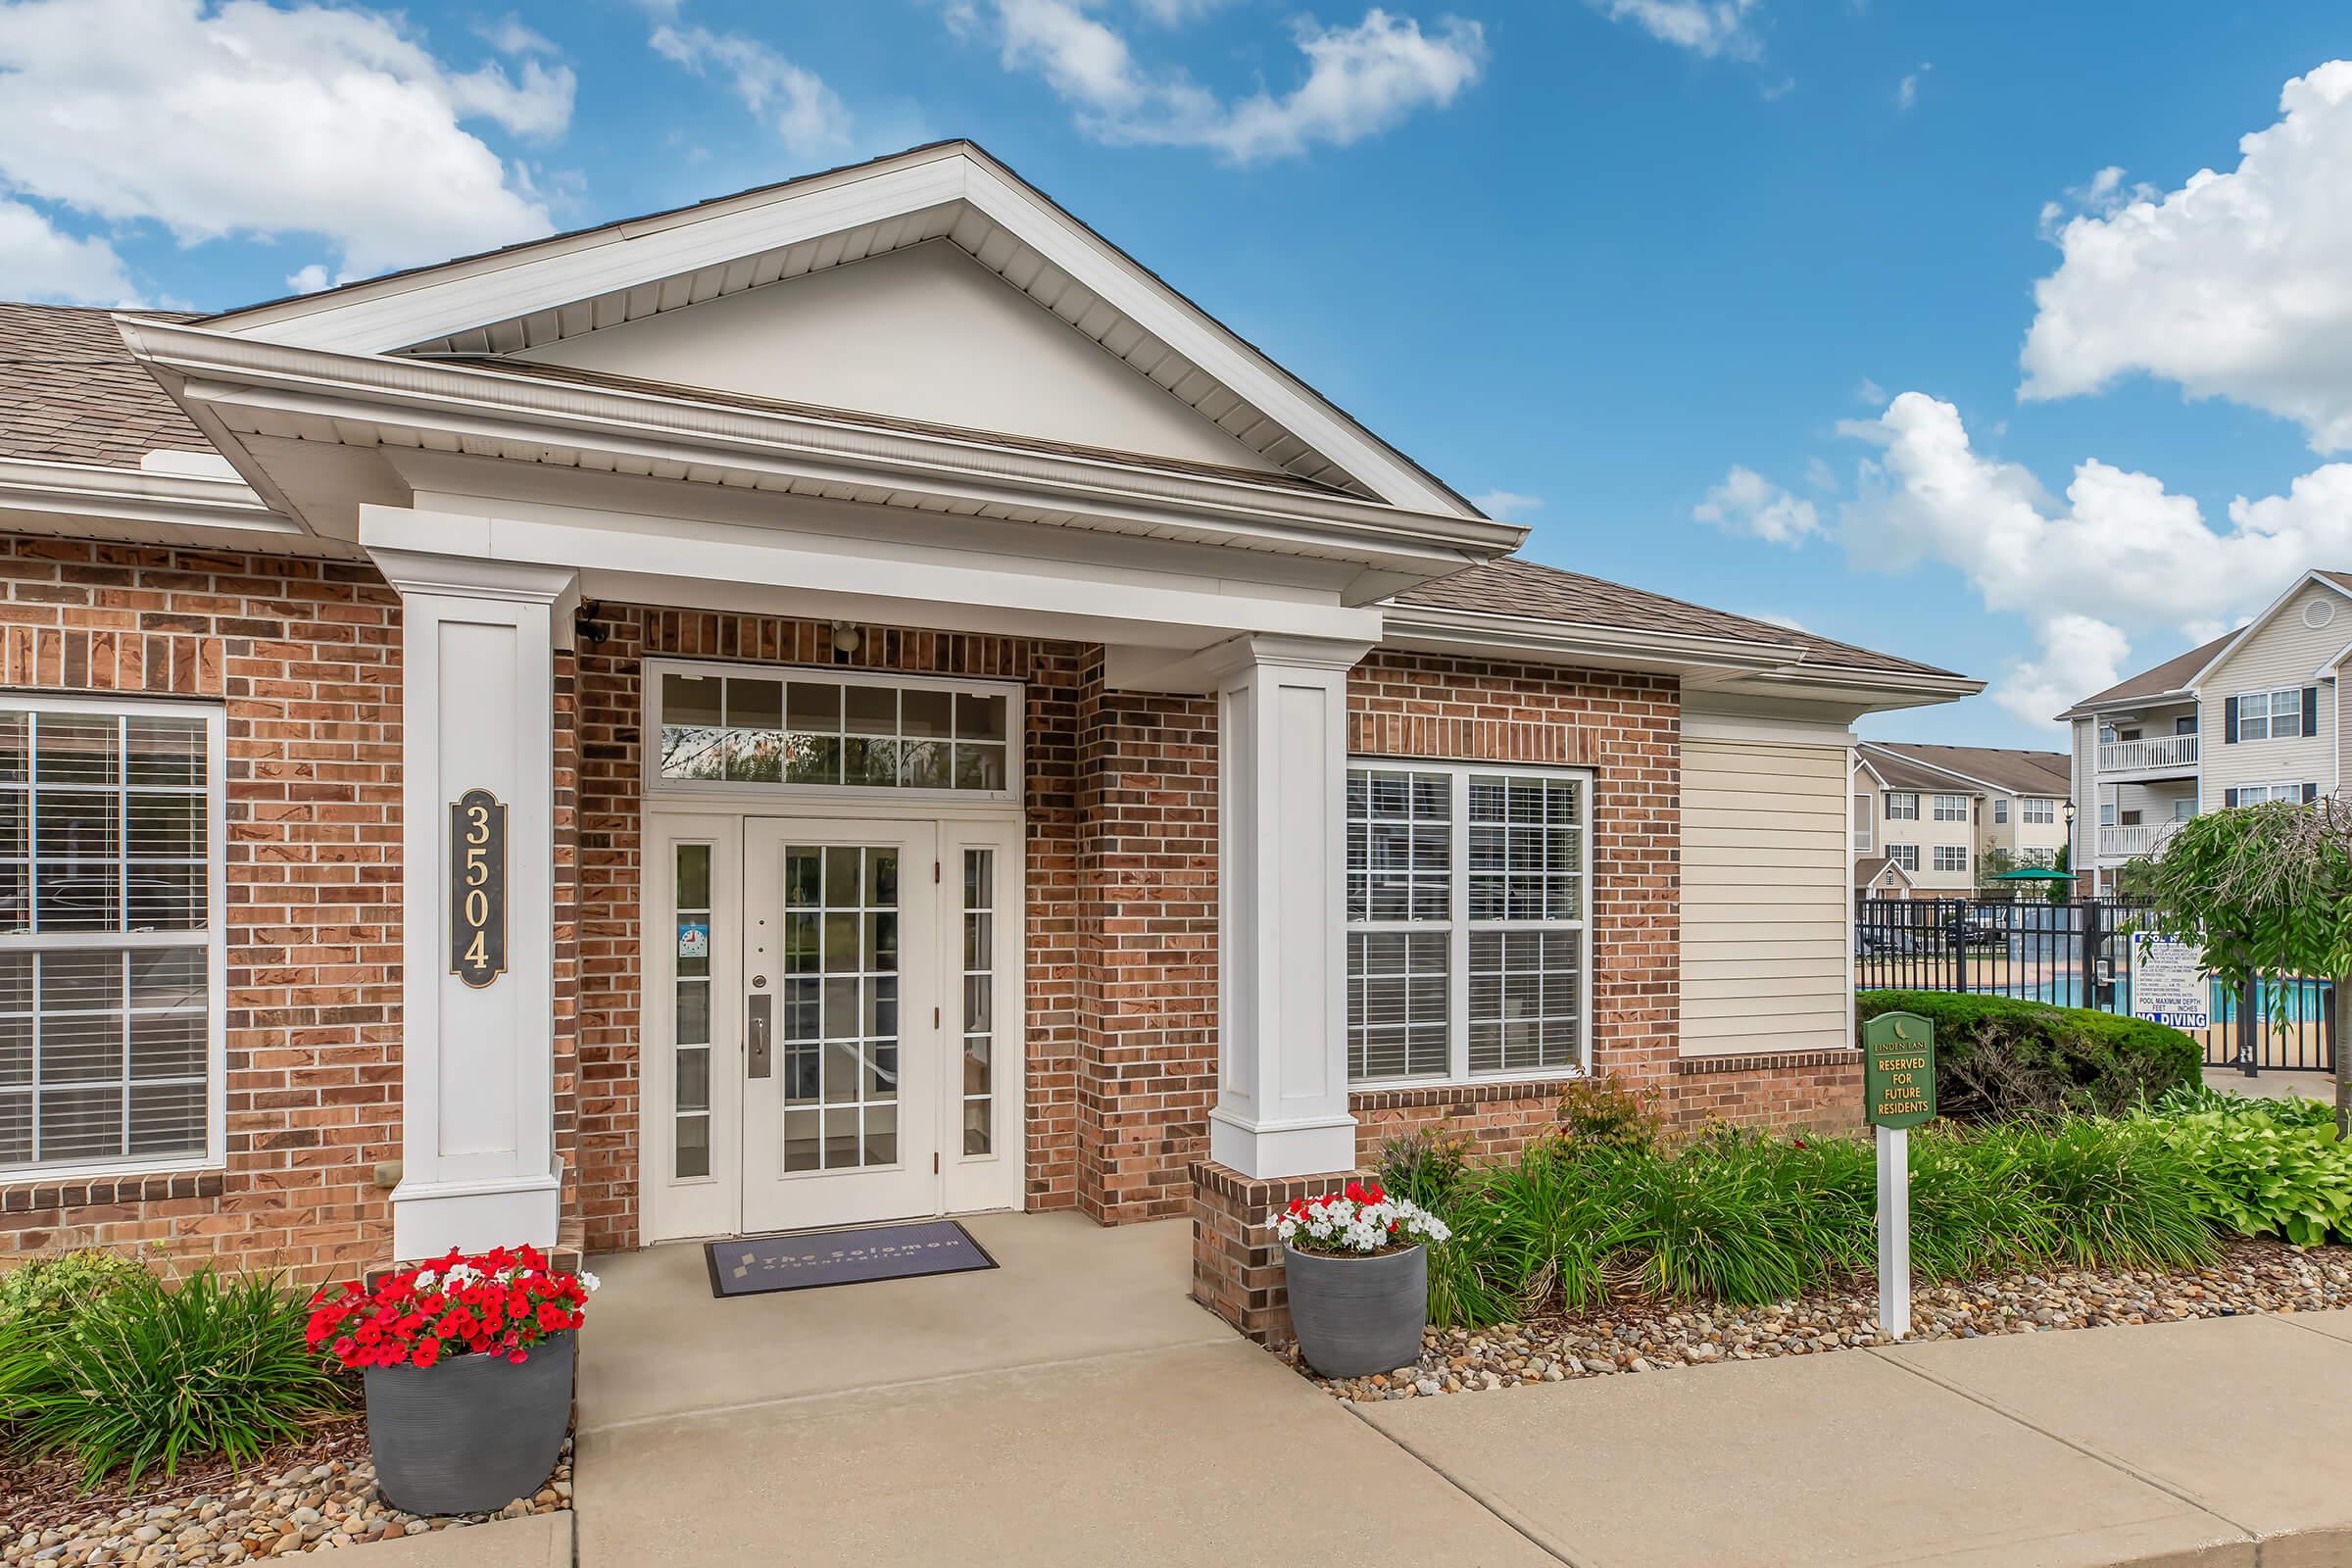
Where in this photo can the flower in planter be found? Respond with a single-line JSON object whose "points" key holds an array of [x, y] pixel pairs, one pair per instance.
{"points": [[501, 1303], [1358, 1220]]}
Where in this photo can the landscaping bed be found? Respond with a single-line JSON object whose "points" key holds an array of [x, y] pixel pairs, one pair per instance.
{"points": [[1637, 1336], [314, 1495]]}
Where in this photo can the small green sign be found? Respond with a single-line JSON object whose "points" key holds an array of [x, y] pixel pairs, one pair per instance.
{"points": [[1898, 1070]]}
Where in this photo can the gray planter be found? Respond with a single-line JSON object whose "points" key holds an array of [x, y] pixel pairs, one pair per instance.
{"points": [[1355, 1316], [470, 1433]]}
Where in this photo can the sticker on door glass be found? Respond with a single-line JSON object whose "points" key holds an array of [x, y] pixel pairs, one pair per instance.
{"points": [[694, 939]]}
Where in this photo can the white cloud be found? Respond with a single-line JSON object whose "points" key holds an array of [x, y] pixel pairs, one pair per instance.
{"points": [[510, 36], [808, 115], [1507, 506], [1359, 81], [2233, 286], [1747, 502], [249, 120], [1707, 28], [1819, 476], [1868, 391], [1171, 13], [307, 280], [1906, 91], [1773, 617], [2118, 551], [39, 262], [2078, 656]]}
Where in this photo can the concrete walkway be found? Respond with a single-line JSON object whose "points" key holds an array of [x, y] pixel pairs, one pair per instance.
{"points": [[2272, 1084], [1074, 1407]]}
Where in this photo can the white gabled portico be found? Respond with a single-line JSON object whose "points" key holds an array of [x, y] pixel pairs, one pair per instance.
{"points": [[507, 438]]}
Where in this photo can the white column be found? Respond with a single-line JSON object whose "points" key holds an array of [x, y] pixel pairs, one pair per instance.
{"points": [[478, 1161], [1281, 953]]}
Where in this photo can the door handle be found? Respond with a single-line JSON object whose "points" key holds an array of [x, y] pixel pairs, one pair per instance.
{"points": [[760, 1005]]}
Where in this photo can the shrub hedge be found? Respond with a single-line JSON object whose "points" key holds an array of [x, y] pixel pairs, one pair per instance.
{"points": [[1998, 1058]]}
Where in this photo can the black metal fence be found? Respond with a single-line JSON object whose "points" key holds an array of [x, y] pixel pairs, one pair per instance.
{"points": [[2078, 954]]}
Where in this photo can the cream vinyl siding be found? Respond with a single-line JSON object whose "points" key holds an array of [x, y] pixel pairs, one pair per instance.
{"points": [[1764, 897], [2281, 653]]}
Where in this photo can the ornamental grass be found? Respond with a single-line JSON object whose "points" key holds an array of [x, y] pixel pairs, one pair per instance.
{"points": [[1747, 1218]]}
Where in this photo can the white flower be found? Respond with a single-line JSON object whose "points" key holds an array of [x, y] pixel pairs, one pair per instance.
{"points": [[588, 1281]]}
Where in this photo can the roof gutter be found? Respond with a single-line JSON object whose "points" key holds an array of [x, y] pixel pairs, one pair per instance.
{"points": [[137, 494]]}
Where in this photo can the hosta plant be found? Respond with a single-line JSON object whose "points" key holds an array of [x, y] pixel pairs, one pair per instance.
{"points": [[1357, 1221]]}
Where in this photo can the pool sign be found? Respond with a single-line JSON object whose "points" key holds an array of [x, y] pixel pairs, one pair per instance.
{"points": [[1898, 1093], [2167, 983], [1898, 1070]]}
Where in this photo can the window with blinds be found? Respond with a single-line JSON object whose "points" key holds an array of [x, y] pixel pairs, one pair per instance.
{"points": [[109, 932], [1468, 921]]}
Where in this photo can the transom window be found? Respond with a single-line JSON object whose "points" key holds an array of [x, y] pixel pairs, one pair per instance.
{"points": [[823, 729], [110, 933], [2276, 716], [1468, 921], [1902, 805], [1906, 856], [1951, 808], [2040, 809]]}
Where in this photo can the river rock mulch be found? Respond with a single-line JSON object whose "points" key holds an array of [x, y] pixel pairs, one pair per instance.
{"points": [[315, 1495], [1638, 1336]]}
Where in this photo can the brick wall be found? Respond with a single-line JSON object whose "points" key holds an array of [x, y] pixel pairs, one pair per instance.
{"points": [[304, 657], [611, 740], [1821, 1089], [1147, 947]]}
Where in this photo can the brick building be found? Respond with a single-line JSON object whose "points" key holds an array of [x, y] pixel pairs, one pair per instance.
{"points": [[849, 702]]}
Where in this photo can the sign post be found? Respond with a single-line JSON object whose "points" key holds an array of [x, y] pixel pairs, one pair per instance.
{"points": [[1898, 1093]]}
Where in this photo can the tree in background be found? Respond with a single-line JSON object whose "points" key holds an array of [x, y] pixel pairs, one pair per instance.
{"points": [[2062, 892], [2267, 890], [1992, 861]]}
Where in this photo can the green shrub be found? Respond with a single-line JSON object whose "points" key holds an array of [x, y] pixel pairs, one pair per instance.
{"points": [[1998, 1058], [2114, 1194], [1426, 1165], [54, 1285], [148, 1375], [1603, 1113], [1973, 1207], [2261, 1167]]}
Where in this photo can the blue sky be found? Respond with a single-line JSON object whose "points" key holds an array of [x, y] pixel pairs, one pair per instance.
{"points": [[1592, 253]]}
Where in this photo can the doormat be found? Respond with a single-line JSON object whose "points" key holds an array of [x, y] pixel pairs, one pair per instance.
{"points": [[811, 1260]]}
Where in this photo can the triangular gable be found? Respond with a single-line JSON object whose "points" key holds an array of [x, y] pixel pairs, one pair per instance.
{"points": [[2246, 633], [532, 296], [924, 333]]}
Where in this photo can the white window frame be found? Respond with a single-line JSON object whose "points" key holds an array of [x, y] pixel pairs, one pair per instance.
{"points": [[1950, 857], [2287, 790], [1906, 856], [1951, 808], [214, 936], [2038, 811], [2106, 813], [2271, 714], [2000, 811], [1458, 926], [1902, 805], [654, 786]]}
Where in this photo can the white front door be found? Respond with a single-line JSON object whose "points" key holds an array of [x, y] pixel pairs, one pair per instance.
{"points": [[834, 1012], [844, 1024]]}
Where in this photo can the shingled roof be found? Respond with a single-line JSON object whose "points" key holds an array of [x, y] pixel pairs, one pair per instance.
{"points": [[69, 391], [1525, 588], [2163, 678], [2019, 773]]}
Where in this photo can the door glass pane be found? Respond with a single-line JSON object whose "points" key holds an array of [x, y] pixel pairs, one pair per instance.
{"points": [[979, 1017], [689, 1036], [841, 1024]]}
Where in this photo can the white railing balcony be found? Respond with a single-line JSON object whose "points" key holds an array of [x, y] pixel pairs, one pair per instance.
{"points": [[2162, 754], [2138, 838]]}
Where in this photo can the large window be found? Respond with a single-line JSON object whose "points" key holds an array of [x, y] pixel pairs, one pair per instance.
{"points": [[110, 923], [2040, 809], [1951, 808], [2270, 715], [1902, 805], [2260, 794], [1952, 856], [1468, 921], [1906, 856]]}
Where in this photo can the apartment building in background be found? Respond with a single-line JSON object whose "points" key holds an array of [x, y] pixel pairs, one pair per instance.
{"points": [[1925, 817], [2250, 716]]}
